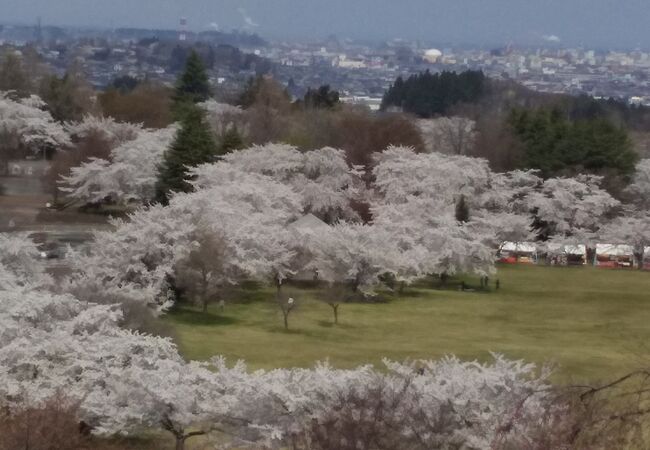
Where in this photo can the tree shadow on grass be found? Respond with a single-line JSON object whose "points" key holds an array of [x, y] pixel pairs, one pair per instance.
{"points": [[407, 293], [305, 333], [247, 293], [188, 316], [281, 330], [330, 324]]}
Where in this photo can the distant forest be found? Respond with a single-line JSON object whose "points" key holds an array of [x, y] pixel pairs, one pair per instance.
{"points": [[517, 127], [427, 95]]}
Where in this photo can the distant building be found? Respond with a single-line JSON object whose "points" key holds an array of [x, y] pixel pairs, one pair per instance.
{"points": [[373, 103], [432, 56], [345, 63], [182, 32]]}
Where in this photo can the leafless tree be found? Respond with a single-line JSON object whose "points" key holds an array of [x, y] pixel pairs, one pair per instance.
{"points": [[450, 135]]}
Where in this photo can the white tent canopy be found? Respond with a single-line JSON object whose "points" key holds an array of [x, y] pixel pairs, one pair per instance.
{"points": [[557, 249], [614, 250], [520, 247]]}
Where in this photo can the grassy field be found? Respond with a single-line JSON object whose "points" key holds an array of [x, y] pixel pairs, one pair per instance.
{"points": [[592, 323]]}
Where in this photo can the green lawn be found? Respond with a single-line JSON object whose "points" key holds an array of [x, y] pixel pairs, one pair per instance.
{"points": [[594, 323]]}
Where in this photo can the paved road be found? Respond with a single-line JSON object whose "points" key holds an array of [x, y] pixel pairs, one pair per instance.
{"points": [[23, 209], [22, 186]]}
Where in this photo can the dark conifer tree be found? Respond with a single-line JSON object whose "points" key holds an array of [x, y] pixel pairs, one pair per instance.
{"points": [[231, 140], [192, 86], [323, 97], [462, 210], [192, 146]]}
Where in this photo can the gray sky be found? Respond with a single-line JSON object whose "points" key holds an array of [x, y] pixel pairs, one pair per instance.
{"points": [[598, 23]]}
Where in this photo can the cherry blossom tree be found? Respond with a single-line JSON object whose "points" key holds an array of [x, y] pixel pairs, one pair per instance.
{"points": [[401, 173], [503, 211], [21, 263], [322, 178], [133, 262], [31, 122], [26, 125], [509, 192], [431, 241], [114, 132], [142, 254], [631, 229], [571, 210], [129, 176], [639, 189], [415, 203], [90, 182], [353, 254], [123, 381], [203, 272], [419, 405], [222, 116]]}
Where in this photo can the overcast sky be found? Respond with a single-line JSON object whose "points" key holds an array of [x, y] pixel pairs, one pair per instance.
{"points": [[596, 23]]}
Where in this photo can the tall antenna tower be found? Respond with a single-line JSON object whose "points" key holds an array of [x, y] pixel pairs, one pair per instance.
{"points": [[39, 31], [182, 32]]}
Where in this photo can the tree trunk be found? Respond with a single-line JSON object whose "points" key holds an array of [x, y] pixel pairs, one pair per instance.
{"points": [[591, 256], [443, 280], [286, 319], [278, 289], [402, 286], [4, 164], [204, 292], [639, 259], [182, 437], [336, 313]]}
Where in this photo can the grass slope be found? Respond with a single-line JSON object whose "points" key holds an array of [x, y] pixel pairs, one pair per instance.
{"points": [[593, 323]]}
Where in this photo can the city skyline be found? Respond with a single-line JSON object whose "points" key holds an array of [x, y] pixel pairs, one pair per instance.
{"points": [[591, 23]]}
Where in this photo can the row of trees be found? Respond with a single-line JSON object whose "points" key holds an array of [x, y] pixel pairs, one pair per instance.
{"points": [[68, 97], [128, 173], [60, 348], [516, 128], [428, 95], [430, 214], [229, 220], [113, 176], [555, 145], [270, 116], [556, 135]]}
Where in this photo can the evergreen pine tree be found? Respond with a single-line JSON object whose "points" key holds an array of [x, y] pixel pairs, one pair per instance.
{"points": [[192, 146], [462, 210], [192, 86], [231, 140], [323, 97]]}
